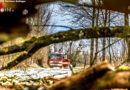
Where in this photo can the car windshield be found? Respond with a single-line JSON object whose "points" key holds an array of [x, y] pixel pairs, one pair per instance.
{"points": [[56, 56]]}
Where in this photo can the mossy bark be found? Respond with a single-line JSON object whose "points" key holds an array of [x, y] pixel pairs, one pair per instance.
{"points": [[70, 35], [19, 47], [35, 43]]}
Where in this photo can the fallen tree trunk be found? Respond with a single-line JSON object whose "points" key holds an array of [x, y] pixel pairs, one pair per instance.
{"points": [[32, 45], [18, 47], [70, 35], [99, 76]]}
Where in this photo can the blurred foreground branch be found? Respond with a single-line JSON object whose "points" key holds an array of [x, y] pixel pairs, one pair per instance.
{"points": [[99, 76]]}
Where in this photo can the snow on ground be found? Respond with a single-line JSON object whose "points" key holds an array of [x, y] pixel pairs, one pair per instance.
{"points": [[36, 73]]}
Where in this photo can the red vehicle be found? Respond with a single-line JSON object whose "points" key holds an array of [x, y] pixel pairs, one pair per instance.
{"points": [[58, 60]]}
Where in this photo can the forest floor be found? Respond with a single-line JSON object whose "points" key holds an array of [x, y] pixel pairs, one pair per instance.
{"points": [[23, 78], [31, 78]]}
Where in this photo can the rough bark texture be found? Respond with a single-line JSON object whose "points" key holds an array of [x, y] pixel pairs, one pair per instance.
{"points": [[99, 76]]}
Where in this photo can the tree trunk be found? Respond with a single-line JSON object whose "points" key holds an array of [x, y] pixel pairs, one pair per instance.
{"points": [[92, 40], [97, 18], [104, 51], [109, 39], [91, 52], [96, 50], [127, 39], [109, 50], [124, 49], [104, 39]]}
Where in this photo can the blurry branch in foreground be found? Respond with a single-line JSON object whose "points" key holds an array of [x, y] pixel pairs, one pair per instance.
{"points": [[30, 46], [100, 76]]}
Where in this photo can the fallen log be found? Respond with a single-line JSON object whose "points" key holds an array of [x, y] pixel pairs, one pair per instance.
{"points": [[83, 80], [73, 35], [100, 76], [35, 43], [18, 47]]}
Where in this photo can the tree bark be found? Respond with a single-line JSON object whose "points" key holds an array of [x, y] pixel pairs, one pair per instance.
{"points": [[104, 39], [97, 19], [96, 32], [109, 50], [104, 51], [92, 39], [127, 39], [109, 39], [35, 43]]}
